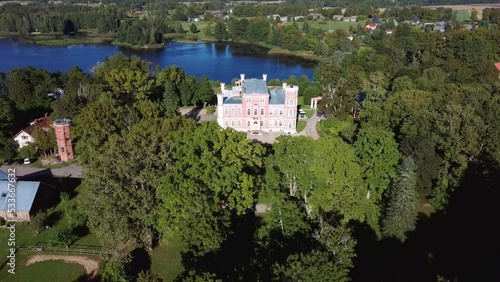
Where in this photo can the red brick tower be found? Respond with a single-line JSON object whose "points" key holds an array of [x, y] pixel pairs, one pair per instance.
{"points": [[64, 145]]}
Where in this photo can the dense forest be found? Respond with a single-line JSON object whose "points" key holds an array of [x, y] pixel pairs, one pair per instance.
{"points": [[413, 119]]}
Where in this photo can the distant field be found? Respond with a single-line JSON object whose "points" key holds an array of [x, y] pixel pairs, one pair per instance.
{"points": [[463, 15], [330, 25], [18, 2], [478, 7]]}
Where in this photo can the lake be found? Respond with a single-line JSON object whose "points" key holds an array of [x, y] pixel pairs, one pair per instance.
{"points": [[218, 61]]}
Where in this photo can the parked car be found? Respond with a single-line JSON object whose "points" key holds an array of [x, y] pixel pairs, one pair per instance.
{"points": [[17, 162], [27, 161], [7, 162]]}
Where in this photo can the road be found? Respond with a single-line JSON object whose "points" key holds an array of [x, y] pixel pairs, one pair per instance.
{"points": [[74, 171]]}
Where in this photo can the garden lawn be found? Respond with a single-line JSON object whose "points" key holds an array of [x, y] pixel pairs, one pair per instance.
{"points": [[166, 261], [301, 125], [463, 15], [54, 271]]}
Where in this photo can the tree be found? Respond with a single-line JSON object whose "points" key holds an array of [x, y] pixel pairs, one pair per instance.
{"points": [[203, 91], [193, 28], [220, 32], [69, 27], [179, 29], [120, 197], [62, 236], [148, 277], [309, 93], [170, 97], [209, 29], [473, 15], [186, 93], [114, 270], [39, 221], [29, 151], [214, 173], [402, 210], [45, 141], [378, 157]]}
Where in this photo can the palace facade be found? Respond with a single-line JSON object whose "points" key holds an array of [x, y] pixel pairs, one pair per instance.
{"points": [[252, 106]]}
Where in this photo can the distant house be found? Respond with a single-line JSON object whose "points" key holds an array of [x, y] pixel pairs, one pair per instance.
{"points": [[25, 193], [390, 31], [349, 35], [415, 21], [338, 17], [377, 21], [439, 28], [497, 65], [216, 13], [351, 19], [24, 136], [283, 19], [197, 20], [274, 16], [316, 16], [408, 22], [299, 18], [370, 27]]}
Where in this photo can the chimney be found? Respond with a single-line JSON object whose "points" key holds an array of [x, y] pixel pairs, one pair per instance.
{"points": [[242, 76], [284, 85], [222, 85], [264, 77]]}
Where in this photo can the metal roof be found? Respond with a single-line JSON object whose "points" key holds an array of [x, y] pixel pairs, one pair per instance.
{"points": [[254, 86], [277, 96], [233, 100], [25, 194], [3, 175]]}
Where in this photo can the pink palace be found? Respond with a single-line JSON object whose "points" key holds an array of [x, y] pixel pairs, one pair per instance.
{"points": [[252, 106]]}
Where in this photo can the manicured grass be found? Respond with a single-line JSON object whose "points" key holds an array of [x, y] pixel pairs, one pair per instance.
{"points": [[39, 164], [166, 261], [54, 271], [200, 25], [327, 25], [300, 101], [463, 15], [309, 112], [301, 125]]}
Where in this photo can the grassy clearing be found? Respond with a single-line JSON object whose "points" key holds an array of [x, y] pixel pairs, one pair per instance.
{"points": [[45, 271], [166, 261], [309, 112], [39, 164], [463, 15], [301, 125], [82, 37]]}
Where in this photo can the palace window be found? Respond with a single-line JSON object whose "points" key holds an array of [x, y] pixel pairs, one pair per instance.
{"points": [[248, 112], [232, 111], [239, 123], [271, 110], [227, 123], [226, 112], [261, 123], [281, 123], [255, 111], [281, 112], [261, 111], [239, 111], [248, 123], [232, 123], [249, 100]]}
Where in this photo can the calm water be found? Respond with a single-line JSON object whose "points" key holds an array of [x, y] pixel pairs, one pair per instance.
{"points": [[219, 61]]}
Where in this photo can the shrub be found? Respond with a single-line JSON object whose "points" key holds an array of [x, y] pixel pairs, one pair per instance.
{"points": [[39, 221]]}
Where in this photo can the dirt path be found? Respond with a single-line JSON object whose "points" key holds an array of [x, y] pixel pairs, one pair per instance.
{"points": [[91, 266]]}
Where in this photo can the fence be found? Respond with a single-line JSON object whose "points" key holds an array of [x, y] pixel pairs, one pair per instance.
{"points": [[74, 249]]}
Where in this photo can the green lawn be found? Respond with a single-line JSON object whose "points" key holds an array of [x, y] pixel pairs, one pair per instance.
{"points": [[301, 125], [462, 15], [300, 102], [166, 262], [309, 112], [53, 271], [200, 25], [39, 164]]}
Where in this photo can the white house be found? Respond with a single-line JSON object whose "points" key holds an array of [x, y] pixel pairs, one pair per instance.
{"points": [[24, 136]]}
